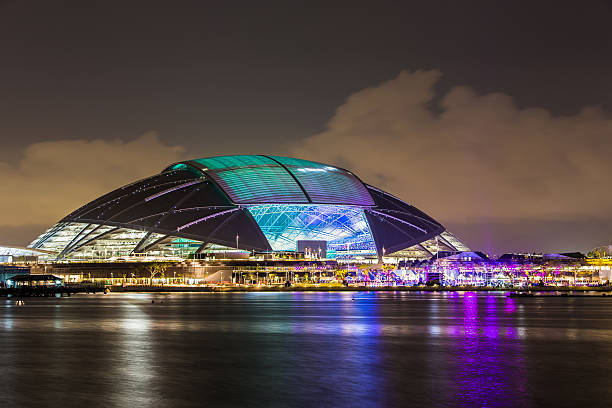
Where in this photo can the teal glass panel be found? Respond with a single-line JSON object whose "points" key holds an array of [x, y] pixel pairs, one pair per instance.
{"points": [[183, 166], [327, 184], [253, 179]]}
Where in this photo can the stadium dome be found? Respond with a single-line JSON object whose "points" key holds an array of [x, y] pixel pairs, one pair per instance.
{"points": [[247, 203]]}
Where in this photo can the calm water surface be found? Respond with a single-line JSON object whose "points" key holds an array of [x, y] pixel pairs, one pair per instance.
{"points": [[306, 349]]}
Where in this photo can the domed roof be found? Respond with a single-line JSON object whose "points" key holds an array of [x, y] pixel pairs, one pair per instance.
{"points": [[275, 179], [269, 202]]}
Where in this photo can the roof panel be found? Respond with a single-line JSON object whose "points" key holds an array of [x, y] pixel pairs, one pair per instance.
{"points": [[253, 179], [327, 184]]}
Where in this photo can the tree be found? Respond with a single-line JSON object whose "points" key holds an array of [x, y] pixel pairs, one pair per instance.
{"points": [[152, 269], [340, 274]]}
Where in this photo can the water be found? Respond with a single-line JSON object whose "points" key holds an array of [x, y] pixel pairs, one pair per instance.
{"points": [[306, 349]]}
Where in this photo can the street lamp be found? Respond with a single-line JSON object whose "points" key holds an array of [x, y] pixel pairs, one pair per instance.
{"points": [[348, 251]]}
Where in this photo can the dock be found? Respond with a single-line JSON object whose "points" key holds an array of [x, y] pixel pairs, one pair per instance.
{"points": [[50, 291]]}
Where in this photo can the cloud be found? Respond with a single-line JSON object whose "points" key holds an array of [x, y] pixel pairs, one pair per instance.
{"points": [[54, 178], [471, 157]]}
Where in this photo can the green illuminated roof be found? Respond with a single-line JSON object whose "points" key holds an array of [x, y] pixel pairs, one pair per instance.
{"points": [[275, 179], [253, 179], [325, 183]]}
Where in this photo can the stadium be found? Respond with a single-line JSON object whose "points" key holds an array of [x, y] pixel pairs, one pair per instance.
{"points": [[247, 207]]}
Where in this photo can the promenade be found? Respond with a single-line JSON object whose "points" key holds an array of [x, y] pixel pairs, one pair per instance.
{"points": [[350, 288]]}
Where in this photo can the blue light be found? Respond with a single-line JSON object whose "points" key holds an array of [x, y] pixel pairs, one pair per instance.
{"points": [[344, 228]]}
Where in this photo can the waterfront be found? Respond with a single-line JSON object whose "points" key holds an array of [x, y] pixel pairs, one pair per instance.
{"points": [[306, 349]]}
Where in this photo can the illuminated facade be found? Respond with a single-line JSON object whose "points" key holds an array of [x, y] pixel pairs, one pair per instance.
{"points": [[342, 228], [9, 254], [259, 204]]}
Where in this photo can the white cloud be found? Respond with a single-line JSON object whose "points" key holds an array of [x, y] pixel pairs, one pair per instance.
{"points": [[54, 178], [479, 157]]}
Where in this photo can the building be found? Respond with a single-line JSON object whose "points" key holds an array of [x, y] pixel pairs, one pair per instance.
{"points": [[30, 281], [12, 254], [8, 271], [246, 206]]}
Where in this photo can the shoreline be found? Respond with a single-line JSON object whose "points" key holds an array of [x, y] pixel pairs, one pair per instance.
{"points": [[238, 289]]}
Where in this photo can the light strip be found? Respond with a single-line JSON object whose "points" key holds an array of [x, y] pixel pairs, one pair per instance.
{"points": [[205, 218], [398, 219], [412, 215], [161, 193]]}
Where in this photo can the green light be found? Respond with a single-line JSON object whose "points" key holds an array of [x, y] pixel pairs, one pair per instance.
{"points": [[253, 179]]}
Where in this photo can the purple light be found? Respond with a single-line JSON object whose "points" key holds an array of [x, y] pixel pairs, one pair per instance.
{"points": [[398, 219], [205, 218], [481, 377], [161, 193]]}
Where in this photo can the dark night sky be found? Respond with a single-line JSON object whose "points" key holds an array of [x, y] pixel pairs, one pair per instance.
{"points": [[316, 79]]}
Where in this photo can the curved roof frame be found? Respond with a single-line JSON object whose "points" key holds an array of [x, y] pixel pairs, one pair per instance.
{"points": [[262, 179], [172, 203], [294, 178]]}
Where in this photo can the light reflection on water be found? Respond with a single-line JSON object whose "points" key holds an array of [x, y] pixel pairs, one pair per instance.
{"points": [[489, 371], [306, 349], [138, 369]]}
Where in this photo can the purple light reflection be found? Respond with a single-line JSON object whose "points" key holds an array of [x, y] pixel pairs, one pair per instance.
{"points": [[484, 376]]}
